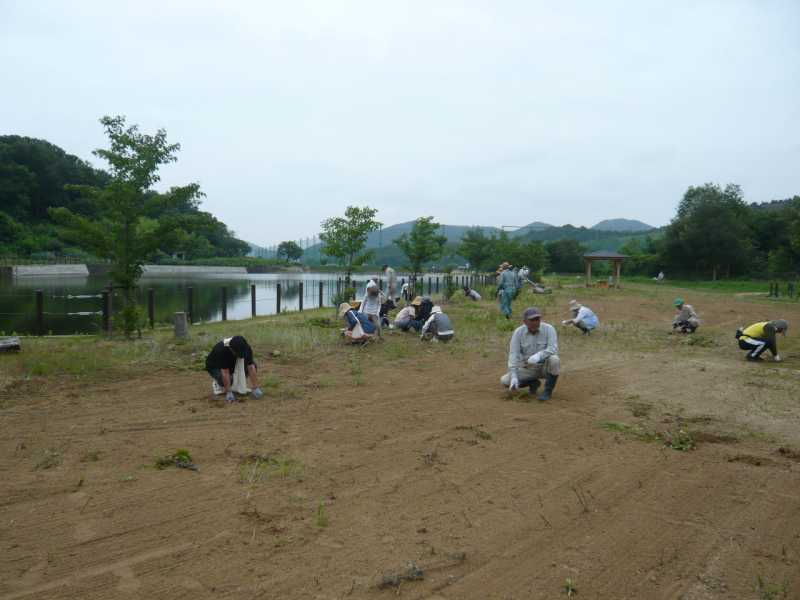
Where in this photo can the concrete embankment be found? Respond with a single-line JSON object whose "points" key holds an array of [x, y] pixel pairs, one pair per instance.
{"points": [[192, 270], [50, 271]]}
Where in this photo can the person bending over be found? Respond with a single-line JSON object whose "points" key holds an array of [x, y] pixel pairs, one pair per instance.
{"points": [[221, 364]]}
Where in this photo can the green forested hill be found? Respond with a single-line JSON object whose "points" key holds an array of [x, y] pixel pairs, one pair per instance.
{"points": [[33, 176]]}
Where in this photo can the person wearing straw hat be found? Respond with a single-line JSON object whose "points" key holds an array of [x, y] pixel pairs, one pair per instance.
{"points": [[359, 327], [758, 337], [533, 355], [582, 317], [506, 288], [686, 320], [408, 318], [230, 364]]}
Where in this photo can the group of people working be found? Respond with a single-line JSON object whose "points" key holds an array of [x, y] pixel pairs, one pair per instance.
{"points": [[533, 349]]}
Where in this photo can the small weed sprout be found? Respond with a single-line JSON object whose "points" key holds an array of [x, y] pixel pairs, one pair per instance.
{"points": [[569, 588], [681, 440], [180, 458], [321, 519], [771, 591], [257, 468]]}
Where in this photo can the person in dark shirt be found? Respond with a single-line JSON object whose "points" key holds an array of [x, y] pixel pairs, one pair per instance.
{"points": [[221, 364]]}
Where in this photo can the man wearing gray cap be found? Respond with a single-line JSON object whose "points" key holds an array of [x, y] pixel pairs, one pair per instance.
{"points": [[533, 355]]}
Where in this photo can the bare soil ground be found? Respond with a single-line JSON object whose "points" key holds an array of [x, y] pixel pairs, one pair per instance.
{"points": [[404, 469]]}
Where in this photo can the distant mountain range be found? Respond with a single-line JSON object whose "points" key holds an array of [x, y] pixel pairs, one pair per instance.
{"points": [[610, 234]]}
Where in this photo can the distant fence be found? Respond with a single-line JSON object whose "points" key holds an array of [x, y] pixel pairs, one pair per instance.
{"points": [[310, 294]]}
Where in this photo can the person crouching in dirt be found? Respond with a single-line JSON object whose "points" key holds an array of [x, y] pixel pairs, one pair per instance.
{"points": [[582, 317], [222, 363], [533, 355], [761, 336], [371, 304], [686, 320], [437, 327], [358, 326], [408, 318], [472, 294]]}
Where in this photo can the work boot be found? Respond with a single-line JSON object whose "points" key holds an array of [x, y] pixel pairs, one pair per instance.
{"points": [[548, 388], [534, 387]]}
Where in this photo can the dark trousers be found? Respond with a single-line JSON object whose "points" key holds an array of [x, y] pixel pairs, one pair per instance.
{"points": [[754, 346]]}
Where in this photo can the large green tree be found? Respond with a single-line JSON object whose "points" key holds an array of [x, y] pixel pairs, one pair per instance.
{"points": [[121, 231], [477, 248], [422, 244], [344, 238], [289, 250], [565, 256], [710, 233]]}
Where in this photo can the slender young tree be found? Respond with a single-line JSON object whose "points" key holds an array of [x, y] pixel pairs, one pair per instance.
{"points": [[344, 238], [423, 244], [121, 232]]}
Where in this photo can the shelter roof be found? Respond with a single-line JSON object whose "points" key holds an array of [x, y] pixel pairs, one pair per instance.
{"points": [[605, 255]]}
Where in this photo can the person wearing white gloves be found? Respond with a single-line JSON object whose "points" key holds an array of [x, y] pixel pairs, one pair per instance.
{"points": [[533, 355], [582, 317]]}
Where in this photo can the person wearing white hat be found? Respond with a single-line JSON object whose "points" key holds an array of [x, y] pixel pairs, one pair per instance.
{"points": [[582, 317], [533, 355], [371, 304], [437, 327]]}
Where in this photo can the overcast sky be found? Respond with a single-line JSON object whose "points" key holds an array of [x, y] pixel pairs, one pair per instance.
{"points": [[494, 112]]}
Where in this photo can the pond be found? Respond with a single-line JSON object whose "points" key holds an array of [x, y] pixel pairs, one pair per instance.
{"points": [[73, 304]]}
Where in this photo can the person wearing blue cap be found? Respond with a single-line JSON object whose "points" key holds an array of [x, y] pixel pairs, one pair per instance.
{"points": [[533, 355]]}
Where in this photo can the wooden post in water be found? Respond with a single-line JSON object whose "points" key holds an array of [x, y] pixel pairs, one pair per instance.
{"points": [[320, 294], [40, 312], [300, 296], [151, 307], [253, 300], [429, 286], [437, 285], [278, 299], [224, 303], [190, 305]]}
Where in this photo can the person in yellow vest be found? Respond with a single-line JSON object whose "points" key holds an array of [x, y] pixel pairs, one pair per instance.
{"points": [[758, 337]]}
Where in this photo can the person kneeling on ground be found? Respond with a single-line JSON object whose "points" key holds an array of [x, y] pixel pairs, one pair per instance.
{"points": [[582, 317], [407, 318], [686, 321], [471, 294], [533, 355], [230, 364], [371, 304], [438, 327], [359, 327], [761, 336]]}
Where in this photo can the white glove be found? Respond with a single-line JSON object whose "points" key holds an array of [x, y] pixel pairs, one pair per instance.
{"points": [[514, 385], [566, 322], [777, 358], [536, 359]]}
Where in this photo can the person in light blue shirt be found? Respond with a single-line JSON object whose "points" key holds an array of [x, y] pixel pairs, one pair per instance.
{"points": [[582, 317]]}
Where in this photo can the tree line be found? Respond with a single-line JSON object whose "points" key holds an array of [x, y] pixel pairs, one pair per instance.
{"points": [[36, 176]]}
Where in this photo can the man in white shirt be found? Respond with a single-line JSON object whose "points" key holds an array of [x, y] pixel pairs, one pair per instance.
{"points": [[533, 355]]}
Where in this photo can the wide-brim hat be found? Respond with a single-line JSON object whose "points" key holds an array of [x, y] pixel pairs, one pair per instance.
{"points": [[574, 305], [417, 301], [343, 308], [505, 265]]}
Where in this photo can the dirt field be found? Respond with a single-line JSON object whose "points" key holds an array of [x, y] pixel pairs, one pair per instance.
{"points": [[404, 470]]}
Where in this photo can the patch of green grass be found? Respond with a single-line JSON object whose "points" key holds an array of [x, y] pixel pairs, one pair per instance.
{"points": [[680, 440], [180, 458], [259, 468], [771, 591], [49, 458]]}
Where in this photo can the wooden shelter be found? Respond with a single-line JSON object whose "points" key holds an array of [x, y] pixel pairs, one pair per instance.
{"points": [[615, 257]]}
